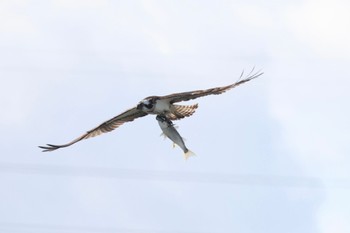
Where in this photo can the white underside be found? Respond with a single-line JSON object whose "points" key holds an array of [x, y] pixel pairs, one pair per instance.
{"points": [[161, 107]]}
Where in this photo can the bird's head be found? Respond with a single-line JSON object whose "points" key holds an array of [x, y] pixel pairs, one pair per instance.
{"points": [[147, 104]]}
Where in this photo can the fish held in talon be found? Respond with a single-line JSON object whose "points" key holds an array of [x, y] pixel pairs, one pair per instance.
{"points": [[170, 131]]}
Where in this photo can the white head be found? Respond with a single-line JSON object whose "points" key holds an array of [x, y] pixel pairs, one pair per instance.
{"points": [[147, 104]]}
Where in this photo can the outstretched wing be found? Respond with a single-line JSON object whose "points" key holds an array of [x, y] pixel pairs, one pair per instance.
{"points": [[105, 127], [184, 96], [178, 112]]}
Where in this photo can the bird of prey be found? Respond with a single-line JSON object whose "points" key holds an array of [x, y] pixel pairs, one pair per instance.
{"points": [[157, 105]]}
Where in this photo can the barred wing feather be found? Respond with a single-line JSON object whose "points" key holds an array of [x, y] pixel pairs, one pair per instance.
{"points": [[105, 127], [190, 95]]}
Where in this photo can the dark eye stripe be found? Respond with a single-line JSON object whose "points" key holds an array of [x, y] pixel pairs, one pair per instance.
{"points": [[149, 106]]}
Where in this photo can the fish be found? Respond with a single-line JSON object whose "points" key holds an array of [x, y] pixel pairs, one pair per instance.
{"points": [[169, 130]]}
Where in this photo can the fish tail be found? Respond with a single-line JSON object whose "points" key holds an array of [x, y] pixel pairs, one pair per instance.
{"points": [[188, 154]]}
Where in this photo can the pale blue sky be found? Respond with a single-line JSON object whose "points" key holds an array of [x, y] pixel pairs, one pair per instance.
{"points": [[272, 154]]}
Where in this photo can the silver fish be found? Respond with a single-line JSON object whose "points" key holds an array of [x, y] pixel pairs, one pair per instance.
{"points": [[170, 131]]}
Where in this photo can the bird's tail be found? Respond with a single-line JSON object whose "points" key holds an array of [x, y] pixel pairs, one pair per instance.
{"points": [[189, 154]]}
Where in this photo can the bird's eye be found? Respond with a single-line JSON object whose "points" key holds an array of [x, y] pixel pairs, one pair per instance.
{"points": [[147, 103]]}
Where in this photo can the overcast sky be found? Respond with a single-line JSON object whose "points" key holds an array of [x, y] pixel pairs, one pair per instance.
{"points": [[273, 155]]}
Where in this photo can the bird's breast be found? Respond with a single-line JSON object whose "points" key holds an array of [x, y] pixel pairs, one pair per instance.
{"points": [[161, 107]]}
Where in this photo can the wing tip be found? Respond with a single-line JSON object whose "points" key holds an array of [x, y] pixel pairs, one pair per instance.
{"points": [[251, 75], [49, 147]]}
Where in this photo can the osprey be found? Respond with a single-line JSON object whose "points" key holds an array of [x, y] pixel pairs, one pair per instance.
{"points": [[158, 105]]}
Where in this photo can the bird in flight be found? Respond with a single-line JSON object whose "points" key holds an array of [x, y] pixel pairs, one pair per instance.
{"points": [[156, 105]]}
